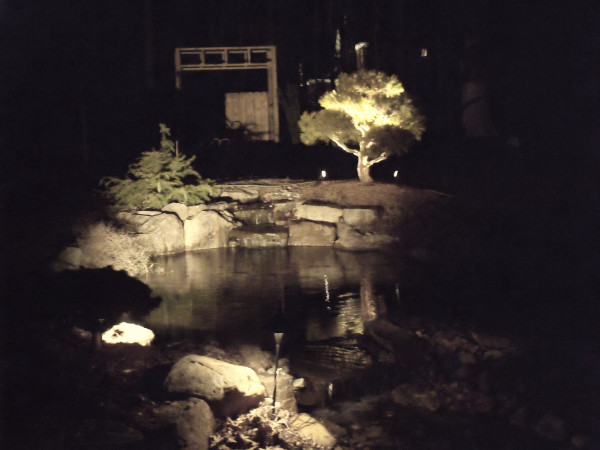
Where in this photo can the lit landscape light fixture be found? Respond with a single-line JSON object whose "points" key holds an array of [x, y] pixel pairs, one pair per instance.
{"points": [[278, 338], [361, 51], [395, 174], [323, 175]]}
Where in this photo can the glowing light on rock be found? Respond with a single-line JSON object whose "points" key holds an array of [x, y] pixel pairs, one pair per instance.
{"points": [[128, 333]]}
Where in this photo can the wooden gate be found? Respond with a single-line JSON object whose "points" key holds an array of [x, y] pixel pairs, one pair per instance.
{"points": [[248, 111]]}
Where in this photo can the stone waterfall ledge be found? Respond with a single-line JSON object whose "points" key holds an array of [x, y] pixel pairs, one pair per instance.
{"points": [[179, 228]]}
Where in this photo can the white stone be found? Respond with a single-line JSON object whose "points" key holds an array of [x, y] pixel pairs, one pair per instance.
{"points": [[128, 333]]}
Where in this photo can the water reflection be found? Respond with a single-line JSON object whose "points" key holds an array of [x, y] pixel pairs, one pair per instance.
{"points": [[234, 293]]}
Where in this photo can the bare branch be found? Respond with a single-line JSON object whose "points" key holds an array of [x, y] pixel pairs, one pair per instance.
{"points": [[346, 148], [377, 160]]}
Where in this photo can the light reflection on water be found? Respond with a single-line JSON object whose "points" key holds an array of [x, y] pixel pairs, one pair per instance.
{"points": [[235, 293]]}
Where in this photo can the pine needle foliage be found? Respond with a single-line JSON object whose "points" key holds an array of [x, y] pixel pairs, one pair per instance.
{"points": [[158, 178], [369, 115]]}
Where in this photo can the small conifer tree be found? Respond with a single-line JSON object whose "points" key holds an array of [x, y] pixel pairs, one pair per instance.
{"points": [[158, 178], [369, 115]]}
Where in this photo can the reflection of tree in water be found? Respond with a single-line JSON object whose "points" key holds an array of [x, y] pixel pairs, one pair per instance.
{"points": [[239, 291], [371, 306]]}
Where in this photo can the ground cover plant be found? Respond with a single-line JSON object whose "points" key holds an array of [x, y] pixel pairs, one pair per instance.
{"points": [[106, 245]]}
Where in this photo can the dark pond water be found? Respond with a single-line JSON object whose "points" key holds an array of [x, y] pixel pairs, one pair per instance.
{"points": [[241, 294]]}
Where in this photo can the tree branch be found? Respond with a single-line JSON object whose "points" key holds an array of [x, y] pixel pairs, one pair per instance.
{"points": [[376, 160], [346, 148]]}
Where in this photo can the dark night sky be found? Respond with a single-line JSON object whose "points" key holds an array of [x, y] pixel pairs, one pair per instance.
{"points": [[99, 73]]}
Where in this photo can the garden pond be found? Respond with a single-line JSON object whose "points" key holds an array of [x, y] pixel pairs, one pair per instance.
{"points": [[241, 296]]}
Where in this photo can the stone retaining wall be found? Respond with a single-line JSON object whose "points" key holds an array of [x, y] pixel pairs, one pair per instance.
{"points": [[179, 228]]}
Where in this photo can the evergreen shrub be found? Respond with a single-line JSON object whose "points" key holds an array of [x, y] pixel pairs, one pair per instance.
{"points": [[158, 178]]}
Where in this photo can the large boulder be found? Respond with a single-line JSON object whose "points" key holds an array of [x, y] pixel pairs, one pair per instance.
{"points": [[158, 233], [350, 238], [180, 209], [311, 234], [193, 420], [194, 210], [313, 430], [208, 229], [318, 213], [231, 389], [360, 218]]}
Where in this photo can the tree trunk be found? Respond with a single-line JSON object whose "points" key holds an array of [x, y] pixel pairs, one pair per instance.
{"points": [[364, 169]]}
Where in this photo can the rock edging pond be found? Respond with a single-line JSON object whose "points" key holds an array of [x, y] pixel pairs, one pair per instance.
{"points": [[343, 215]]}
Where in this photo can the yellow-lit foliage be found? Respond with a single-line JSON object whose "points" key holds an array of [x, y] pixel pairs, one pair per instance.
{"points": [[369, 110]]}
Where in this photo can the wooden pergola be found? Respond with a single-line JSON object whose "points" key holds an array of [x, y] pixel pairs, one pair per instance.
{"points": [[196, 59]]}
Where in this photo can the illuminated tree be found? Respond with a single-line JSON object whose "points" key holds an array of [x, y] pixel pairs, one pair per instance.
{"points": [[158, 178], [369, 115]]}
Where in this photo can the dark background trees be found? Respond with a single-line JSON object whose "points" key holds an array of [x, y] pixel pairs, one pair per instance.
{"points": [[85, 83]]}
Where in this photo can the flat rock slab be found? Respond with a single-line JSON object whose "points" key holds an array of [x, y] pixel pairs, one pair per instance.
{"points": [[318, 213], [240, 194]]}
